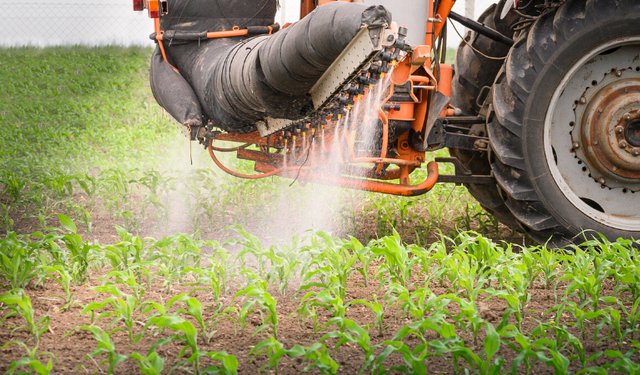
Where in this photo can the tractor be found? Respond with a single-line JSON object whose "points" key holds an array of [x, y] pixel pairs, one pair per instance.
{"points": [[540, 112]]}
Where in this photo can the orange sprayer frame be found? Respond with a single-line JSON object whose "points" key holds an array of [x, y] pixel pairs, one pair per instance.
{"points": [[415, 67]]}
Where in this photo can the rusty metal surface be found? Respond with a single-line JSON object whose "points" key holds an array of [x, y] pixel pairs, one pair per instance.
{"points": [[602, 141]]}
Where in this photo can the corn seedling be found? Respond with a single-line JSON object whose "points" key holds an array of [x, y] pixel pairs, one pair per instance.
{"points": [[105, 346], [332, 263], [18, 262], [60, 275], [188, 334], [256, 294], [352, 333], [79, 251], [377, 309], [152, 364], [31, 360], [194, 309], [274, 351], [19, 304], [397, 263], [125, 309]]}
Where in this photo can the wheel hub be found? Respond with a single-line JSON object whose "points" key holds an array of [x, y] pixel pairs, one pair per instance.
{"points": [[607, 139], [633, 133]]}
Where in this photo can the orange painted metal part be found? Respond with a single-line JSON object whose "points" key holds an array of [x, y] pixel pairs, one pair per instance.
{"points": [[306, 7], [444, 84], [236, 174], [253, 137], [443, 12], [373, 186], [404, 114], [153, 6], [446, 76]]}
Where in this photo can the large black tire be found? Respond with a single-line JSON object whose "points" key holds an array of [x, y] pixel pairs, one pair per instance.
{"points": [[473, 72], [525, 95]]}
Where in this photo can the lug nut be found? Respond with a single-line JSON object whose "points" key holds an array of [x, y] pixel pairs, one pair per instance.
{"points": [[635, 151], [623, 144], [619, 73], [583, 100], [627, 117], [602, 181], [619, 129], [576, 145]]}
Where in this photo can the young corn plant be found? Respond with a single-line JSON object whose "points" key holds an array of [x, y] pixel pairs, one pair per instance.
{"points": [[60, 275], [378, 310], [175, 256], [18, 261], [126, 309], [414, 359], [351, 333], [485, 362], [79, 251], [105, 346], [31, 361], [19, 304], [422, 302], [194, 309], [315, 353], [188, 334], [328, 299], [152, 364], [128, 252], [398, 265], [550, 264], [332, 263], [256, 294]]}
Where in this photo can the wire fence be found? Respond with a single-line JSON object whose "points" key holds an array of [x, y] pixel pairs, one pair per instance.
{"points": [[48, 23]]}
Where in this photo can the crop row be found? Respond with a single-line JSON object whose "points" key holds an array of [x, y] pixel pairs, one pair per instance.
{"points": [[466, 270]]}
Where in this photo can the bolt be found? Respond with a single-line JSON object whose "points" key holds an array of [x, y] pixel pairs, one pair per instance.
{"points": [[619, 73], [595, 143], [602, 181], [583, 100], [619, 129], [390, 38], [627, 117], [635, 151], [480, 144], [623, 144], [576, 145]]}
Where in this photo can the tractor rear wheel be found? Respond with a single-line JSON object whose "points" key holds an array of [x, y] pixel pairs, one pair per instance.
{"points": [[565, 123], [474, 75]]}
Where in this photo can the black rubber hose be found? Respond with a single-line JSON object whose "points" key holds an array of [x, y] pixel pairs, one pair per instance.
{"points": [[240, 81]]}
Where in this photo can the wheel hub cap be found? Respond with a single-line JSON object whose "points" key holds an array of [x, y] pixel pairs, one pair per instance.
{"points": [[608, 137]]}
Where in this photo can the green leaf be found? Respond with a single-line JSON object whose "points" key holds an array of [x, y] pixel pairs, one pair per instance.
{"points": [[67, 223], [491, 342]]}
